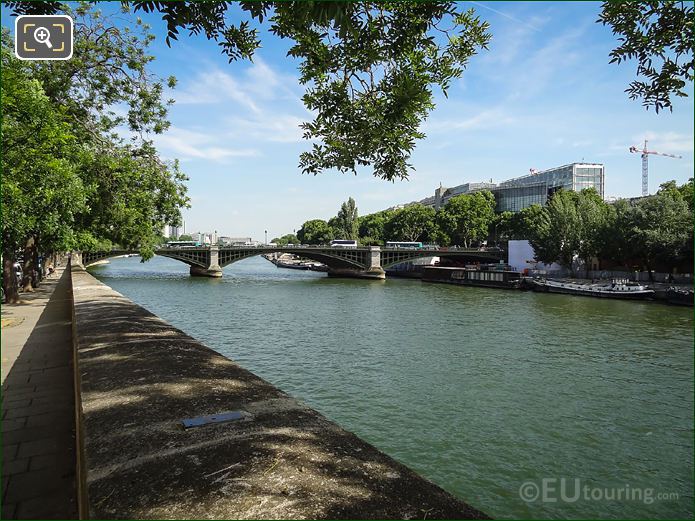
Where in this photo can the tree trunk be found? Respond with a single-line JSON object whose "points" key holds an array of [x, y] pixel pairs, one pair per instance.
{"points": [[9, 280], [37, 276], [651, 275], [29, 265]]}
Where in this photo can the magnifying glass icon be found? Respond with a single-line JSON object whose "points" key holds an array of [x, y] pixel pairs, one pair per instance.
{"points": [[43, 35]]}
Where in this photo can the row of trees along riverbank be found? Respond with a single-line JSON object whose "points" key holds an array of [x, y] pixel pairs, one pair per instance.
{"points": [[645, 233], [463, 220], [70, 178]]}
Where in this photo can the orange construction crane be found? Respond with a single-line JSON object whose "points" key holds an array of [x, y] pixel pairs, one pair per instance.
{"points": [[645, 164]]}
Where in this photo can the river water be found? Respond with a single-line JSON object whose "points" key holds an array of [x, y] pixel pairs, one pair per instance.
{"points": [[491, 394]]}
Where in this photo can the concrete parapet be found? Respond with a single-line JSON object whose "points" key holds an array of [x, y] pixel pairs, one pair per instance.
{"points": [[139, 377]]}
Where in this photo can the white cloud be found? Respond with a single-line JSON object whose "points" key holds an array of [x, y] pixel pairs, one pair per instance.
{"points": [[665, 142], [490, 118], [244, 87], [530, 24], [509, 43], [248, 106], [215, 86], [187, 144], [283, 128], [547, 65]]}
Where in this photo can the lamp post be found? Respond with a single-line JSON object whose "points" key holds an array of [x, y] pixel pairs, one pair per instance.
{"points": [[266, 237]]}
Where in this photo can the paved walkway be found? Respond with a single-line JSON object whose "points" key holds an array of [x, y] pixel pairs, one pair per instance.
{"points": [[38, 410]]}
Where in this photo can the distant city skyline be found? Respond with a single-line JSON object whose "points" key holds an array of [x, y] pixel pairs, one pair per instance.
{"points": [[542, 96]]}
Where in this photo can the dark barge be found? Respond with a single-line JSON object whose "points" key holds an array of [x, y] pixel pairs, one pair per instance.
{"points": [[491, 277]]}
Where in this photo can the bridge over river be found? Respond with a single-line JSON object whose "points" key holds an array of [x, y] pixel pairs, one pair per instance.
{"points": [[362, 262]]}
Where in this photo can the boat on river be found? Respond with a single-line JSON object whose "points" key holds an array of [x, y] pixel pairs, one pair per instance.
{"points": [[294, 265], [289, 261], [494, 276], [680, 296], [619, 289]]}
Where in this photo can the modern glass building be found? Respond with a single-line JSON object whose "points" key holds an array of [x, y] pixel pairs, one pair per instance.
{"points": [[535, 188]]}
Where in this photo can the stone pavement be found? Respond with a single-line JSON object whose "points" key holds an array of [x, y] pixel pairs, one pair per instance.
{"points": [[38, 405]]}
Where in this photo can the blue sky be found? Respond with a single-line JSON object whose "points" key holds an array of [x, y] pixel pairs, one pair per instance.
{"points": [[543, 95]]}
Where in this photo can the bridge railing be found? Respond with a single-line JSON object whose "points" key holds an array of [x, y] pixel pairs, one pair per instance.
{"points": [[489, 249]]}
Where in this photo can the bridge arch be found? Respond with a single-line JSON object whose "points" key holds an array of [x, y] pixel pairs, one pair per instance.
{"points": [[88, 258], [198, 257], [191, 257], [392, 257], [331, 258]]}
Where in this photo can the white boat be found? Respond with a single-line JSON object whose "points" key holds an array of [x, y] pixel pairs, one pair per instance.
{"points": [[616, 289]]}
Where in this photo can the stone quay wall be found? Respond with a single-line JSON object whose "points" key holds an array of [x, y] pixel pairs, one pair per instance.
{"points": [[138, 377]]}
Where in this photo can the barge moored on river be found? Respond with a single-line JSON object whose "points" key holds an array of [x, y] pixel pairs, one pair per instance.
{"points": [[293, 262], [295, 265], [489, 277], [680, 296], [617, 289]]}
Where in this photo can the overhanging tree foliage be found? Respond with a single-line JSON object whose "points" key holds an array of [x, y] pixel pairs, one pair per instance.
{"points": [[660, 36], [70, 182], [370, 68], [41, 189]]}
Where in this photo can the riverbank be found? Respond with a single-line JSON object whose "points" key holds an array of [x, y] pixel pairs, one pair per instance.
{"points": [[666, 293], [140, 377]]}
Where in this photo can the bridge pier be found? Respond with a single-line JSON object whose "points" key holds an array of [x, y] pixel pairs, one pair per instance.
{"points": [[373, 271], [213, 269], [197, 271]]}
